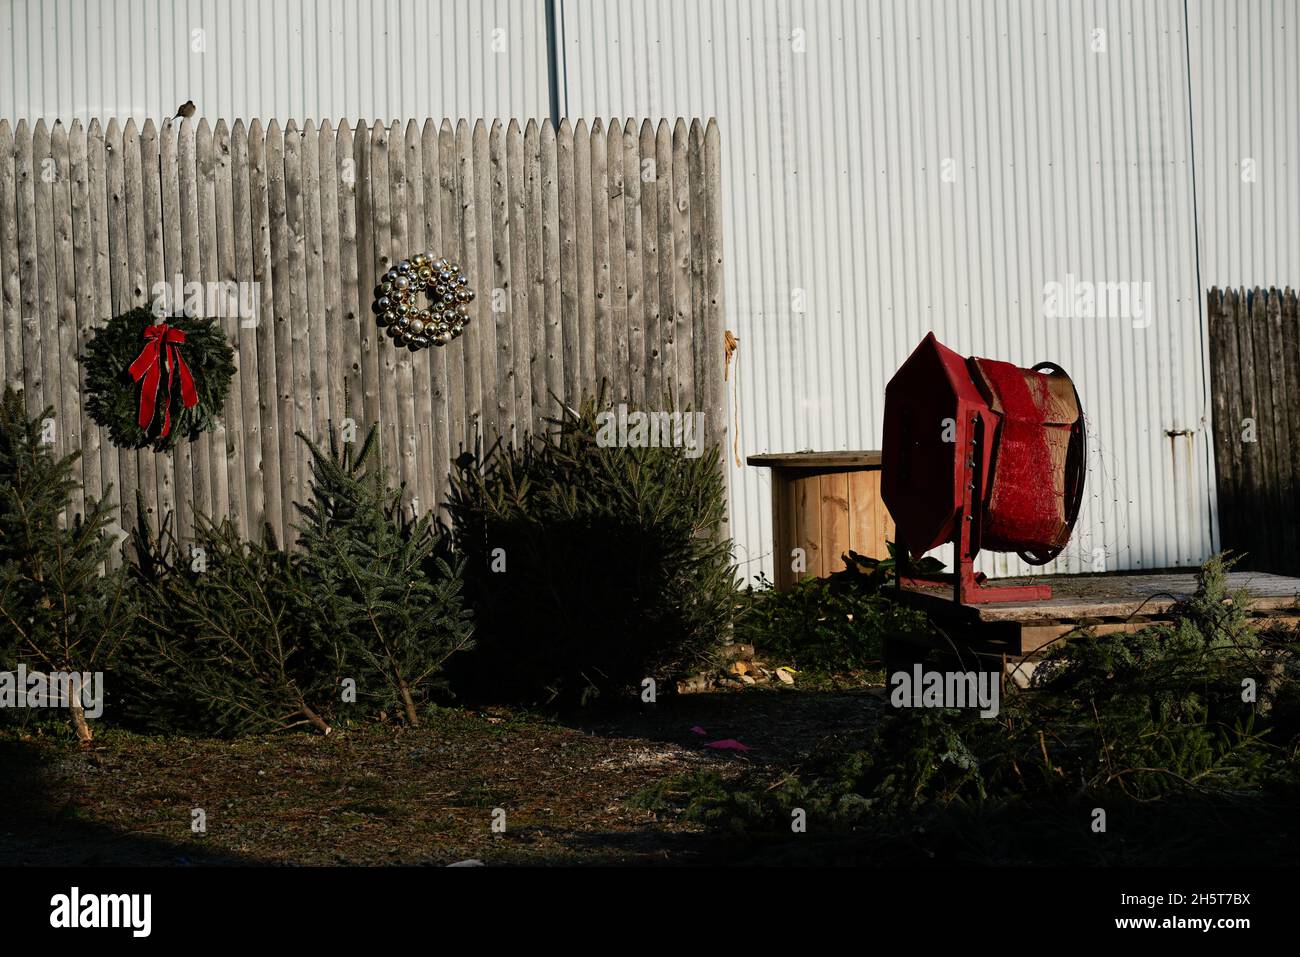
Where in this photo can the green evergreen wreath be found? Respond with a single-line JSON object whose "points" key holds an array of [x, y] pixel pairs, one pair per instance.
{"points": [[115, 395]]}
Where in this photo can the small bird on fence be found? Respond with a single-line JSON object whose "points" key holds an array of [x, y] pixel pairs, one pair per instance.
{"points": [[186, 110]]}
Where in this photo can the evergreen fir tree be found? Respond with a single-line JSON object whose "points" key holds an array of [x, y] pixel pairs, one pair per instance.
{"points": [[384, 583], [245, 637], [589, 567], [225, 648], [62, 608]]}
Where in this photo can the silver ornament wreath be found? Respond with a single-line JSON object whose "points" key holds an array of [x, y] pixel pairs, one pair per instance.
{"points": [[398, 309]]}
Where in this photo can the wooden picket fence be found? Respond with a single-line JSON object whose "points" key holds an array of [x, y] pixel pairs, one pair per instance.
{"points": [[596, 254], [1255, 379]]}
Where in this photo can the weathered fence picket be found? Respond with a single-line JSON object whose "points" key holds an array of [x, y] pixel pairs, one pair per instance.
{"points": [[1255, 378], [595, 251]]}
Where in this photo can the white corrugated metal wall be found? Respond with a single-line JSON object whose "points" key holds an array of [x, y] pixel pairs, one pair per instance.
{"points": [[902, 167], [1245, 70], [891, 167], [299, 59]]}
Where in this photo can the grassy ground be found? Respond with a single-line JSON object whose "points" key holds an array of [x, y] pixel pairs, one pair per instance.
{"points": [[390, 795]]}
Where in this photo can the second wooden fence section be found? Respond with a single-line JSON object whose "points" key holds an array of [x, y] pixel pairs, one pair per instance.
{"points": [[1255, 377]]}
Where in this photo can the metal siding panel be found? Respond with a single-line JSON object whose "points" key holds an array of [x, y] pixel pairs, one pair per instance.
{"points": [[301, 59], [1245, 79], [1068, 162], [1245, 84]]}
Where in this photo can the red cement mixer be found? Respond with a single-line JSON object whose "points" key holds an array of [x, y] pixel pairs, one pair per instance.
{"points": [[983, 454]]}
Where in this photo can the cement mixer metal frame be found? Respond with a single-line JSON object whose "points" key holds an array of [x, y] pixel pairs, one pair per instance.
{"points": [[969, 585], [957, 507]]}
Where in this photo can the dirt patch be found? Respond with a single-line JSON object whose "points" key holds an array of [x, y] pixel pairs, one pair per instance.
{"points": [[389, 795]]}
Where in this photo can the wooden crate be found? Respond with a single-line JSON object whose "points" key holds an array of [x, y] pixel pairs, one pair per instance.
{"points": [[824, 503]]}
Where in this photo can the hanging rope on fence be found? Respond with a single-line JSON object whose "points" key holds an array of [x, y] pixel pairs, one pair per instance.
{"points": [[731, 342]]}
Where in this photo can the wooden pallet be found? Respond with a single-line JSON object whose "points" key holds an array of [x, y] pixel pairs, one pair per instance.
{"points": [[1105, 603]]}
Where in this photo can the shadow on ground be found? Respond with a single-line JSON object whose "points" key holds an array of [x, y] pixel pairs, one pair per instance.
{"points": [[41, 826], [375, 794]]}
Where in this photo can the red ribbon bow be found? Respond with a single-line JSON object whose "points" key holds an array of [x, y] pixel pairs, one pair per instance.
{"points": [[148, 366]]}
